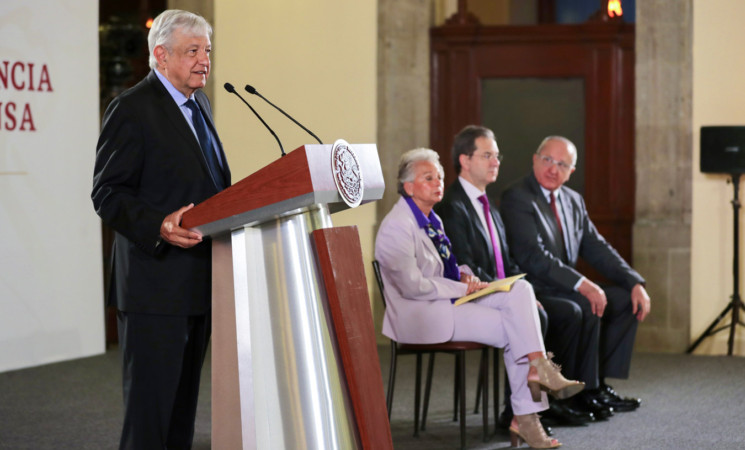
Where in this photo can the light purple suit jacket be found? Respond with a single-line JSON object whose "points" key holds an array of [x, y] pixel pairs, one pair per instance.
{"points": [[418, 308]]}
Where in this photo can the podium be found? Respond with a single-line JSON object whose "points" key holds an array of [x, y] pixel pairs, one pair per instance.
{"points": [[294, 357]]}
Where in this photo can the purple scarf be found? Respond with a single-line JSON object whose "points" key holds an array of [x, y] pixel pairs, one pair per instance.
{"points": [[434, 230]]}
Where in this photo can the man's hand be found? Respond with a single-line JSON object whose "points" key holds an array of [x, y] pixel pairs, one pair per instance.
{"points": [[595, 295], [171, 231], [640, 302]]}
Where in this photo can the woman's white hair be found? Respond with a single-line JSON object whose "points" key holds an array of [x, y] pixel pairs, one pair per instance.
{"points": [[167, 22], [409, 160]]}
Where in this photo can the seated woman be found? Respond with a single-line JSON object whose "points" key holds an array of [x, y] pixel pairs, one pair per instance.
{"points": [[422, 278]]}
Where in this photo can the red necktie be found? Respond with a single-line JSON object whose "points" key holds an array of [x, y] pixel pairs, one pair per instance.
{"points": [[556, 216], [494, 243]]}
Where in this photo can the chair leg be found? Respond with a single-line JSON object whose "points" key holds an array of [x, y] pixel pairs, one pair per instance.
{"points": [[478, 387], [484, 366], [427, 389], [461, 365], [391, 379], [417, 393], [456, 383], [496, 389]]}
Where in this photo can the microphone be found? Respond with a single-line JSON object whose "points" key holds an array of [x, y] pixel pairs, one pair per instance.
{"points": [[229, 87], [251, 90]]}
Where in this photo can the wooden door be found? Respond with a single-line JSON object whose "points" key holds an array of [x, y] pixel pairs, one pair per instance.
{"points": [[467, 60]]}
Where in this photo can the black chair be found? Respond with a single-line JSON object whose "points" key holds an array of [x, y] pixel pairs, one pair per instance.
{"points": [[482, 373], [458, 349]]}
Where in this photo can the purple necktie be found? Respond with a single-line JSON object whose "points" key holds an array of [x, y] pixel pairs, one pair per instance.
{"points": [[494, 243]]}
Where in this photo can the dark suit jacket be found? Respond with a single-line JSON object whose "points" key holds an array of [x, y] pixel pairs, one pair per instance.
{"points": [[471, 242], [148, 165], [534, 237]]}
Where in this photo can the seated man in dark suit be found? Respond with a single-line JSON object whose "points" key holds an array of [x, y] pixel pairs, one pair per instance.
{"points": [[548, 228], [475, 228]]}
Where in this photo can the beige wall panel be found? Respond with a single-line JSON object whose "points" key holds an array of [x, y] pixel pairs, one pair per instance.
{"points": [[316, 60], [718, 90]]}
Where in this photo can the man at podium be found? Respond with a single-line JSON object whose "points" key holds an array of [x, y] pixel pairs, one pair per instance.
{"points": [[159, 154]]}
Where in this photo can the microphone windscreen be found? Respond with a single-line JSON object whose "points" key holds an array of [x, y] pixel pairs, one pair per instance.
{"points": [[250, 89], [229, 87]]}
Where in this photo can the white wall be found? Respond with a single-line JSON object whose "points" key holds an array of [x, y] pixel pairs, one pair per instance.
{"points": [[51, 295], [718, 99]]}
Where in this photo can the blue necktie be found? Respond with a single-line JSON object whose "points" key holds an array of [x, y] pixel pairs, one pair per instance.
{"points": [[205, 141]]}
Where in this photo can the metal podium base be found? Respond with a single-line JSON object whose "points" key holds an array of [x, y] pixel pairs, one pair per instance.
{"points": [[289, 391]]}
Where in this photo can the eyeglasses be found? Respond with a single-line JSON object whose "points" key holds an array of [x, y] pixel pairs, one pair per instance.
{"points": [[549, 161], [488, 156]]}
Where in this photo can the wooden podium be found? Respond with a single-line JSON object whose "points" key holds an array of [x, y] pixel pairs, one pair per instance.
{"points": [[294, 358]]}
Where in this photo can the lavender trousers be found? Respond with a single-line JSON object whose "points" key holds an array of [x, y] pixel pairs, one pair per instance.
{"points": [[506, 320]]}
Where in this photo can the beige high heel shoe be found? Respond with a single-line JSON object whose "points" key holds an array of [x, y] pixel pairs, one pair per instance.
{"points": [[548, 377], [527, 428]]}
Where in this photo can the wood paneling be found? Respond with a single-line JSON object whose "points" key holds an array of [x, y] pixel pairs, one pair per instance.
{"points": [[601, 54], [340, 259], [284, 178]]}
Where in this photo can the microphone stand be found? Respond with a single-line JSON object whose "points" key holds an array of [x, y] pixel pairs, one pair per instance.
{"points": [[252, 90], [229, 87], [736, 303]]}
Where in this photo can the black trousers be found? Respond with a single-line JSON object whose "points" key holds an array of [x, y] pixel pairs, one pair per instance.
{"points": [[162, 359], [586, 346]]}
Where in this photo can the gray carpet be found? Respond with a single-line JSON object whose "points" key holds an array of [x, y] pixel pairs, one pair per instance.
{"points": [[690, 402]]}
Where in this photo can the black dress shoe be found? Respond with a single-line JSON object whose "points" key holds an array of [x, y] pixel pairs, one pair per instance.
{"points": [[505, 418], [608, 397], [587, 402], [546, 428], [560, 413]]}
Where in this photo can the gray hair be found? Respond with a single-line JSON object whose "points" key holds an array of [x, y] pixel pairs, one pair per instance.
{"points": [[167, 23], [409, 160], [570, 146]]}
